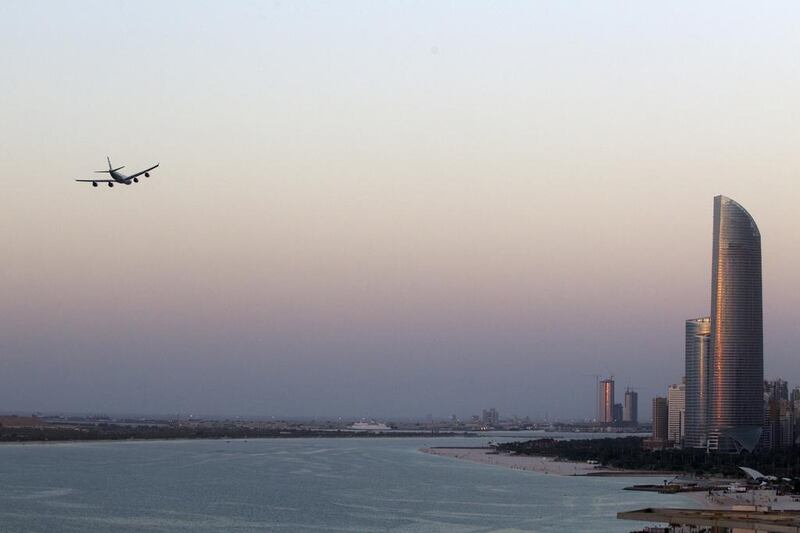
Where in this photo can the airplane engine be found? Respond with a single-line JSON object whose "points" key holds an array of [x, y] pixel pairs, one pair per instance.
{"points": [[136, 180], [94, 184], [110, 184], [146, 174]]}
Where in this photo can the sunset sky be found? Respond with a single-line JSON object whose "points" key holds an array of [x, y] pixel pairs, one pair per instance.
{"points": [[383, 208]]}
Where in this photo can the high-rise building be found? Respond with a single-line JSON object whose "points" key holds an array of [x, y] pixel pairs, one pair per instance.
{"points": [[736, 384], [617, 414], [795, 395], [630, 408], [605, 408], [777, 389], [676, 413], [698, 352], [786, 424], [795, 407], [779, 417], [490, 417], [660, 419]]}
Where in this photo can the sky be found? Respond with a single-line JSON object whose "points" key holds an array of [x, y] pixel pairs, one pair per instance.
{"points": [[383, 209]]}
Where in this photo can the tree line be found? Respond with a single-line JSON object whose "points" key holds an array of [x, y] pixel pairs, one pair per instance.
{"points": [[629, 453]]}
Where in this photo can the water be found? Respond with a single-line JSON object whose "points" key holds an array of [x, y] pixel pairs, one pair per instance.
{"points": [[334, 484]]}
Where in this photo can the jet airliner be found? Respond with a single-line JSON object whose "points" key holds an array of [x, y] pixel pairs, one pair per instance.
{"points": [[118, 177]]}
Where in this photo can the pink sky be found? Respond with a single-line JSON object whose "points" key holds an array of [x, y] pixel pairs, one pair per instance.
{"points": [[383, 209]]}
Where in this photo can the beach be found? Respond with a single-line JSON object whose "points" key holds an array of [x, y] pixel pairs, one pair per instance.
{"points": [[717, 499], [543, 465]]}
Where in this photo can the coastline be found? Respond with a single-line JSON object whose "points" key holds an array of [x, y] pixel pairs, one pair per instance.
{"points": [[50, 435], [717, 499], [533, 463], [530, 463]]}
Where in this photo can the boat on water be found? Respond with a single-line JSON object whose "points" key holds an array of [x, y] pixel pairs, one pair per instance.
{"points": [[369, 426]]}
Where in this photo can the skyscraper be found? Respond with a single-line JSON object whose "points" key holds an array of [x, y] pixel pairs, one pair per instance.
{"points": [[490, 417], [617, 414], [660, 418], [736, 385], [795, 394], [777, 390], [698, 353], [630, 407], [606, 401], [779, 416], [676, 417]]}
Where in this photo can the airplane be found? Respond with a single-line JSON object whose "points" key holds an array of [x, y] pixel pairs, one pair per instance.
{"points": [[117, 177]]}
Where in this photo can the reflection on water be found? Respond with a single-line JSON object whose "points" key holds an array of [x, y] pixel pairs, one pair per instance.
{"points": [[296, 485]]}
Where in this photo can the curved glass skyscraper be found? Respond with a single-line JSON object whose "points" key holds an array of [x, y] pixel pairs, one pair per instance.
{"points": [[736, 379]]}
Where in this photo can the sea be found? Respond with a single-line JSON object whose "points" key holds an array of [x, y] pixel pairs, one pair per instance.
{"points": [[319, 484]]}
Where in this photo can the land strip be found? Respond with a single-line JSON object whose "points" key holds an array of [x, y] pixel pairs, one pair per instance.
{"points": [[531, 463]]}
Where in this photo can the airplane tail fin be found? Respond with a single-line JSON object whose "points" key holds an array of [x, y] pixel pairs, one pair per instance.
{"points": [[110, 169]]}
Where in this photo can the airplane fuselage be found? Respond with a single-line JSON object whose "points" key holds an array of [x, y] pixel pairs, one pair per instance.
{"points": [[120, 178]]}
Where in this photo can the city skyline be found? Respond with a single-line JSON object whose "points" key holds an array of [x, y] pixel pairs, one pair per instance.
{"points": [[387, 211]]}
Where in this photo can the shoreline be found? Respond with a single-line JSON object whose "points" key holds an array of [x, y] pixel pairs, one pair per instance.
{"points": [[534, 463], [64, 436], [717, 499]]}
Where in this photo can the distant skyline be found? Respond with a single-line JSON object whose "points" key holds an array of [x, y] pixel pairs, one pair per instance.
{"points": [[383, 209]]}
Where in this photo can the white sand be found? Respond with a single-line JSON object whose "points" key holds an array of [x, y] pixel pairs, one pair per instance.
{"points": [[543, 465]]}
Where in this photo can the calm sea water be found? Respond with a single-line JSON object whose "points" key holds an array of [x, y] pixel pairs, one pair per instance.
{"points": [[296, 485]]}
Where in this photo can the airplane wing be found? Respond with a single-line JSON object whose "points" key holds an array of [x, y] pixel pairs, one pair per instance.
{"points": [[98, 181], [142, 172]]}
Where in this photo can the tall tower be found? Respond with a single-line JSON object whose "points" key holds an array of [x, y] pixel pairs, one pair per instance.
{"points": [[606, 401], [736, 403], [698, 353], [660, 419], [630, 408], [676, 408]]}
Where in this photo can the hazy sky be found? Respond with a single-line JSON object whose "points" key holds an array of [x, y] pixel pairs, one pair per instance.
{"points": [[383, 208]]}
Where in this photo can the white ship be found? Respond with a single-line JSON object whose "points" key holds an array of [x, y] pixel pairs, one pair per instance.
{"points": [[369, 426]]}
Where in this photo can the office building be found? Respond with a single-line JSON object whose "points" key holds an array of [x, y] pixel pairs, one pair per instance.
{"points": [[795, 395], [735, 413], [779, 419], [777, 389], [676, 413], [617, 414], [605, 407], [660, 419], [630, 408], [490, 417], [698, 352]]}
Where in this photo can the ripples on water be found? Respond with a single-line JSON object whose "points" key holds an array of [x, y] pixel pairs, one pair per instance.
{"points": [[296, 485]]}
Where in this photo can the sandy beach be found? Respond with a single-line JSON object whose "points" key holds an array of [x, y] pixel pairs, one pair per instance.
{"points": [[543, 465], [717, 499]]}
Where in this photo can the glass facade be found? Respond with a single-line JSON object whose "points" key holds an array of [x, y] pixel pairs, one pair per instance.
{"points": [[606, 398], [736, 384], [698, 353]]}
